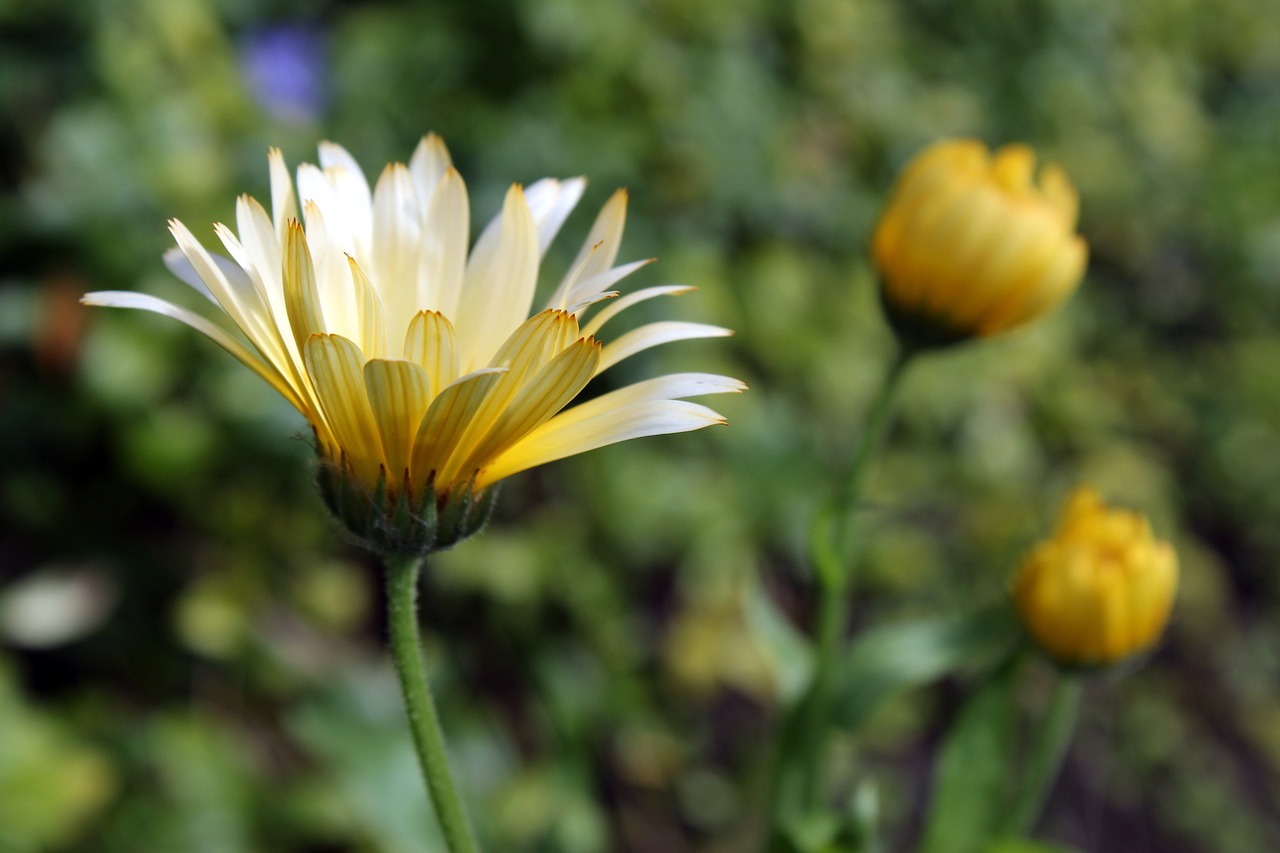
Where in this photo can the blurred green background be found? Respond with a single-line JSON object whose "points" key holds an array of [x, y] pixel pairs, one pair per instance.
{"points": [[190, 658]]}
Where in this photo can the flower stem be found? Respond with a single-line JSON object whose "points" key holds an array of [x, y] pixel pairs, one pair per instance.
{"points": [[406, 650], [798, 769], [1050, 751]]}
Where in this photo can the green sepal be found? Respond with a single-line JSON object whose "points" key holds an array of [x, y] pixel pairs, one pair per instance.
{"points": [[400, 523]]}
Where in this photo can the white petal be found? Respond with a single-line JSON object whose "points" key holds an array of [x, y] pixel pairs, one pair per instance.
{"points": [[428, 165], [654, 334], [551, 201], [498, 285], [444, 245], [352, 190], [605, 238], [588, 285], [319, 195], [235, 293], [211, 330], [284, 206], [178, 264], [614, 308], [333, 274], [397, 235]]}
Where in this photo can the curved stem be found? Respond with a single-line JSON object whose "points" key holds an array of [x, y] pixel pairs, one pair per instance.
{"points": [[406, 650], [1050, 751]]}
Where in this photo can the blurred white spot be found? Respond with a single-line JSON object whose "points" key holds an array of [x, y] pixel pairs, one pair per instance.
{"points": [[55, 606]]}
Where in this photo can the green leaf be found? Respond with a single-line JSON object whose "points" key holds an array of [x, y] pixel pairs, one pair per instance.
{"points": [[890, 660], [791, 651], [973, 771]]}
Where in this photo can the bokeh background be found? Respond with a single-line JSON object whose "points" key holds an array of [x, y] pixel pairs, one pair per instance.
{"points": [[190, 657]]}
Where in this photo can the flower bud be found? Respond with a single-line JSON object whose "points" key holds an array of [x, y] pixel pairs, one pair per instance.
{"points": [[971, 244], [1101, 588]]}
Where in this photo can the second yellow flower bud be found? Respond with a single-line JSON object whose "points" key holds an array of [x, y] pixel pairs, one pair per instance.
{"points": [[1101, 588]]}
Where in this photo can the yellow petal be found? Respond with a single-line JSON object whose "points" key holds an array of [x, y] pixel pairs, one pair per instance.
{"points": [[336, 367], [547, 393], [399, 394], [447, 419]]}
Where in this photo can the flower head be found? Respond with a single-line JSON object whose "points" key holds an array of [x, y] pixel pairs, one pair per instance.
{"points": [[971, 244], [1101, 589], [416, 362]]}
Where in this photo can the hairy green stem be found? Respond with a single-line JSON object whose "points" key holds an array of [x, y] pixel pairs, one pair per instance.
{"points": [[406, 650], [1050, 751]]}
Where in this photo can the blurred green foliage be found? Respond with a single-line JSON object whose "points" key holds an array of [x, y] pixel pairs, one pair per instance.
{"points": [[606, 671]]}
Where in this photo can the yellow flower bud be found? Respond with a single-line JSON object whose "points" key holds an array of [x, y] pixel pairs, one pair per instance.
{"points": [[971, 244], [1101, 588]]}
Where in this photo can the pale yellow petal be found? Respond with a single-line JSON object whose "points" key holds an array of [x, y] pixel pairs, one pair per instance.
{"points": [[499, 281], [302, 300], [430, 344], [319, 195], [333, 274], [562, 436], [373, 337], [257, 236]]}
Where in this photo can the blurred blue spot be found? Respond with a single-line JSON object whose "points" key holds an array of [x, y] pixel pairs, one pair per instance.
{"points": [[284, 66]]}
